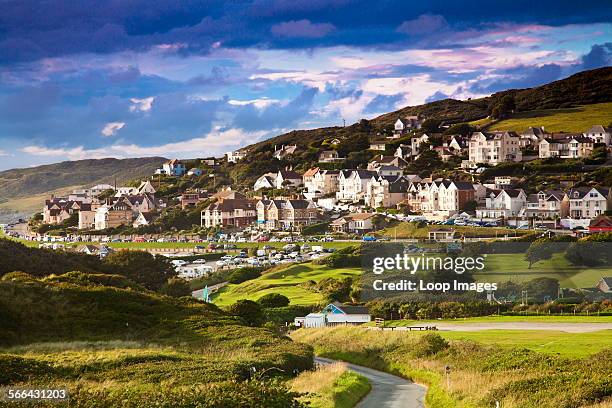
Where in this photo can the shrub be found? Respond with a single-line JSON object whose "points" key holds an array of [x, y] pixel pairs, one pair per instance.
{"points": [[142, 267], [273, 300], [244, 274], [250, 312], [430, 344]]}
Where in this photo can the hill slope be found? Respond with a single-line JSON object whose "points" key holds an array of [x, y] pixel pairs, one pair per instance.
{"points": [[21, 190]]}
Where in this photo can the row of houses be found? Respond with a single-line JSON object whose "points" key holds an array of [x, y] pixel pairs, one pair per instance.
{"points": [[129, 206]]}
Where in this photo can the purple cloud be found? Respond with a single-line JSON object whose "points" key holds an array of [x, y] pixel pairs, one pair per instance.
{"points": [[423, 25], [302, 29], [599, 56]]}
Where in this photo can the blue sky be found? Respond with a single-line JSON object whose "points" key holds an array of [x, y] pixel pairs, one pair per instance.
{"points": [[133, 78]]}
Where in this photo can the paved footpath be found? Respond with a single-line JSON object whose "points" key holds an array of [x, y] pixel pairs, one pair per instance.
{"points": [[388, 391]]}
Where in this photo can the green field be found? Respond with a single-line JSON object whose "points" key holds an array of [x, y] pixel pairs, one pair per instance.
{"points": [[412, 230], [514, 267], [285, 281], [577, 119]]}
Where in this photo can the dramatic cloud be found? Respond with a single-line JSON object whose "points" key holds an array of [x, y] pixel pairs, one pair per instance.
{"points": [[92, 79], [599, 56], [302, 29]]}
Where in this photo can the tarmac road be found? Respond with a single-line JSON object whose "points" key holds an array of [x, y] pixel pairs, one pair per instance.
{"points": [[388, 391]]}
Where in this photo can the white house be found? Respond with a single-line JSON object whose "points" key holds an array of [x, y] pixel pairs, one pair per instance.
{"points": [[268, 180], [503, 203], [417, 141], [404, 125], [352, 184], [288, 178], [493, 148], [235, 156], [194, 172], [378, 145], [335, 314], [599, 134], [566, 146], [172, 167], [357, 223], [586, 202]]}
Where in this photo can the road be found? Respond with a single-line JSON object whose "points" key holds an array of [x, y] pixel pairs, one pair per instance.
{"points": [[388, 391]]}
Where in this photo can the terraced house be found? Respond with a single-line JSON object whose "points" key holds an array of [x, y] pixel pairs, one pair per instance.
{"points": [[566, 146], [286, 215], [229, 213]]}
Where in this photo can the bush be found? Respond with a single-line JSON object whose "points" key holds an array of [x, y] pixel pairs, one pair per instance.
{"points": [[273, 300], [430, 344], [142, 267], [244, 274], [250, 312]]}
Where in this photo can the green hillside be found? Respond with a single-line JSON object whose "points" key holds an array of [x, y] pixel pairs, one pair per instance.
{"points": [[288, 280], [22, 189], [577, 119], [112, 344]]}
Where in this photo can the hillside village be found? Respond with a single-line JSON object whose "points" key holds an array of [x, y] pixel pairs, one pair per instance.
{"points": [[399, 177]]}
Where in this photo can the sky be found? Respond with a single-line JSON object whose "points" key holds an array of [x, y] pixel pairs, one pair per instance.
{"points": [[135, 78]]}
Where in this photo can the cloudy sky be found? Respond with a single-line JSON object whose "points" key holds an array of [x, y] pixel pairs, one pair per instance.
{"points": [[133, 78]]}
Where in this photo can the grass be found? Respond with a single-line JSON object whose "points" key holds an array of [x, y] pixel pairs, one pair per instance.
{"points": [[520, 369], [506, 319], [514, 267], [331, 386], [411, 230], [577, 119], [286, 281], [115, 346]]}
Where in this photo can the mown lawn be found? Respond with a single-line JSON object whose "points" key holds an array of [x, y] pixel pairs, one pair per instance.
{"points": [[514, 267], [284, 281], [575, 345], [411, 230], [506, 319], [577, 119]]}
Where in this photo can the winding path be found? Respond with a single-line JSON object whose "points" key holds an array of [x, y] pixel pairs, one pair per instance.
{"points": [[388, 391]]}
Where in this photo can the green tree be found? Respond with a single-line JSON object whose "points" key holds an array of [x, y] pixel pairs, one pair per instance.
{"points": [[430, 125], [463, 129], [244, 274], [539, 250], [273, 300], [142, 267], [428, 159], [250, 312], [542, 288]]}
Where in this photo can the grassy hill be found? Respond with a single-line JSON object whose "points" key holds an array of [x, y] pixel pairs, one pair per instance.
{"points": [[577, 119], [22, 189], [287, 280], [113, 344]]}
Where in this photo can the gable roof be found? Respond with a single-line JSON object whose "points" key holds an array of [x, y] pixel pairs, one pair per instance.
{"points": [[350, 309]]}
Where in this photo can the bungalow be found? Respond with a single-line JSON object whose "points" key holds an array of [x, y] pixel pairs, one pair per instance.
{"points": [[194, 172], [330, 156], [378, 145], [441, 235], [335, 314], [357, 223]]}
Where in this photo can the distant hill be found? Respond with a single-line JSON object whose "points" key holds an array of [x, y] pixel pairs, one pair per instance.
{"points": [[21, 190]]}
